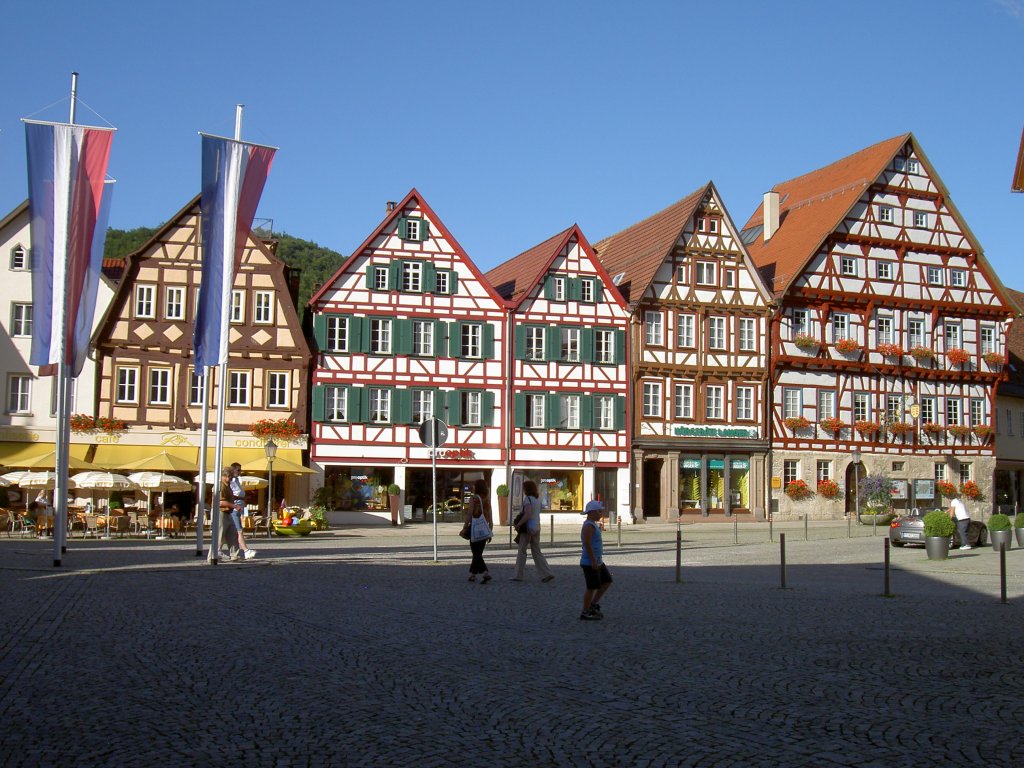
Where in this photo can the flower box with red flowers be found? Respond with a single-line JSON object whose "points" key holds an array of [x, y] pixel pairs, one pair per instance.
{"points": [[921, 353], [932, 428], [832, 425], [866, 428], [891, 350], [982, 430], [959, 430], [828, 489], [82, 422], [900, 428], [970, 490], [957, 356], [805, 341], [994, 359], [946, 488], [797, 490], [281, 428], [111, 425], [847, 346], [797, 422]]}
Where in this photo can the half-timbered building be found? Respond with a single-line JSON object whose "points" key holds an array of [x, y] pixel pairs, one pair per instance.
{"points": [[406, 330], [147, 377], [891, 334], [568, 386], [1008, 487], [700, 315]]}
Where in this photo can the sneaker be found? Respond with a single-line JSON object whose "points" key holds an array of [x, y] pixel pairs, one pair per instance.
{"points": [[472, 578], [595, 608], [486, 578], [546, 579], [225, 553], [234, 556], [249, 554], [966, 546], [590, 616]]}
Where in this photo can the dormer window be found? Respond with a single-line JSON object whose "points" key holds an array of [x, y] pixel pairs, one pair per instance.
{"points": [[708, 224], [885, 214], [413, 229], [913, 166], [19, 258]]}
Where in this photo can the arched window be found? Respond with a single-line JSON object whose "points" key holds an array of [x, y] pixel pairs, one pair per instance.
{"points": [[19, 258]]}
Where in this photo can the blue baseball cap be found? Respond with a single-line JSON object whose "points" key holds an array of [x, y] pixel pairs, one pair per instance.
{"points": [[593, 506]]}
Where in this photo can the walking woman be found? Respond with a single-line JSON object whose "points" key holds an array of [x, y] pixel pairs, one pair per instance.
{"points": [[478, 518], [529, 535]]}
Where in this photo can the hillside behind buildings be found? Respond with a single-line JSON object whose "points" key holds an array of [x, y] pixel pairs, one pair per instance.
{"points": [[316, 263]]}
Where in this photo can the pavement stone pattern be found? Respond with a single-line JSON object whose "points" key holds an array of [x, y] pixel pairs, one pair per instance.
{"points": [[353, 647]]}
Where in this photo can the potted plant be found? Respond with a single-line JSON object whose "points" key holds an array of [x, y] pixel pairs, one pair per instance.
{"points": [[866, 428], [900, 428], [318, 517], [932, 428], [994, 359], [1018, 528], [502, 491], [805, 341], [946, 488], [938, 529], [394, 498], [875, 493], [891, 350], [999, 531], [828, 489], [921, 354], [982, 430], [795, 423], [797, 490], [959, 430], [970, 490], [848, 346], [833, 425], [957, 356]]}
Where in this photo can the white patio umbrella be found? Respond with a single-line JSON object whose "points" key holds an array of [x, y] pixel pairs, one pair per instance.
{"points": [[159, 481], [39, 480], [99, 480]]}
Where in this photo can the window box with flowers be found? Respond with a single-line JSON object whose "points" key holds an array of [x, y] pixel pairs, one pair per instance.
{"points": [[932, 428], [891, 350], [797, 490], [866, 428], [957, 356], [982, 430], [922, 354], [285, 429], [828, 489], [959, 430], [946, 488], [900, 428], [110, 426], [796, 423], [994, 359], [970, 490], [832, 425], [848, 346], [82, 422], [805, 341]]}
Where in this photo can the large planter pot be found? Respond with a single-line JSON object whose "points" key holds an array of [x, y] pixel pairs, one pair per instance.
{"points": [[1001, 536], [937, 547], [503, 510], [880, 520], [1018, 533], [393, 504]]}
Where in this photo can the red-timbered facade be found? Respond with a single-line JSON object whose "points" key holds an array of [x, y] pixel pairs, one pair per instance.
{"points": [[891, 333], [407, 329], [700, 315], [569, 382]]}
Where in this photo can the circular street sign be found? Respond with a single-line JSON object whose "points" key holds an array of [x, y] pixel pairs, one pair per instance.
{"points": [[433, 433]]}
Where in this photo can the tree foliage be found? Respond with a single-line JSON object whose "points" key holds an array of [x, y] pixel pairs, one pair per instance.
{"points": [[121, 242]]}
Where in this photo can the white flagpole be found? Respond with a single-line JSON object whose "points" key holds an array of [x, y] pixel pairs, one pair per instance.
{"points": [[201, 480]]}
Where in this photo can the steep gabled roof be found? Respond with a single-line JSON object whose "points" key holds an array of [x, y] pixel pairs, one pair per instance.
{"points": [[397, 213], [638, 251], [811, 207], [18, 210], [1013, 385], [1018, 173]]}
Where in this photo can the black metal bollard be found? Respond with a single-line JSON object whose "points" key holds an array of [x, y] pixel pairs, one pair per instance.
{"points": [[888, 591], [849, 522], [619, 522], [679, 553], [806, 535], [551, 536], [1002, 572], [735, 529], [782, 549], [771, 525]]}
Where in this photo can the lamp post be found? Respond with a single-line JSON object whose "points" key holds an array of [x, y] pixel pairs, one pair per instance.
{"points": [[855, 456], [271, 450]]}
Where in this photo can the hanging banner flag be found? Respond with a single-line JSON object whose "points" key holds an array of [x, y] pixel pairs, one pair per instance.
{"points": [[67, 165], [234, 174]]}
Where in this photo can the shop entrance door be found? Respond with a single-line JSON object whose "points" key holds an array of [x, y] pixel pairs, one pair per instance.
{"points": [[652, 487]]}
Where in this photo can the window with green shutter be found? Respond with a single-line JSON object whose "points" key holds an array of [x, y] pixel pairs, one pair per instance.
{"points": [[413, 229]]}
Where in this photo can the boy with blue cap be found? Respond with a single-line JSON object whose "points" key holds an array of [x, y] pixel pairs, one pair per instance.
{"points": [[591, 561]]}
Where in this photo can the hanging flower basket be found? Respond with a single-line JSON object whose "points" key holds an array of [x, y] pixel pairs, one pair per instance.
{"points": [[982, 430], [891, 350], [828, 489], [946, 488], [847, 346], [832, 425], [921, 354], [282, 428], [796, 423], [805, 341], [959, 430], [866, 428], [798, 490], [970, 490], [994, 359], [957, 356], [900, 428]]}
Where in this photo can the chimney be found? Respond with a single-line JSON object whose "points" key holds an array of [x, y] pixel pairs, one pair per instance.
{"points": [[771, 214], [391, 205]]}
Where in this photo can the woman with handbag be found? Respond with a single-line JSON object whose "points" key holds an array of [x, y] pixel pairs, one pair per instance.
{"points": [[528, 528], [478, 523]]}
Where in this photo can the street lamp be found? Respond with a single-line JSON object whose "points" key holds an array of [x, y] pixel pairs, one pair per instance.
{"points": [[271, 450], [594, 451], [855, 456]]}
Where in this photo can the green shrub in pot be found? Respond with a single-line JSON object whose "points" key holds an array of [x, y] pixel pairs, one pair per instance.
{"points": [[999, 523], [1018, 520], [938, 523]]}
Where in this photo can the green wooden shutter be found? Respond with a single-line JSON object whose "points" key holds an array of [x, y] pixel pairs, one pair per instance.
{"points": [[586, 411], [453, 282], [553, 343], [574, 288], [598, 290], [439, 403], [549, 287], [454, 339], [520, 342], [620, 412], [402, 227], [487, 409], [401, 341], [487, 339], [319, 393], [401, 406], [357, 334], [394, 275], [369, 277], [587, 353], [320, 331], [551, 411], [454, 416], [440, 338], [429, 278], [354, 404], [424, 230], [620, 347], [519, 409]]}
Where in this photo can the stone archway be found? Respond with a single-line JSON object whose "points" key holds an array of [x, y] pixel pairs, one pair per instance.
{"points": [[855, 473]]}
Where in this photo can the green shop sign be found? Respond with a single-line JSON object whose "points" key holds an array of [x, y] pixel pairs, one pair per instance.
{"points": [[708, 431]]}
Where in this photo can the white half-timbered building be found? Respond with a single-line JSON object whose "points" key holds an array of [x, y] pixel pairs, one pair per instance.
{"points": [[700, 315], [569, 382], [891, 334], [407, 329], [147, 377]]}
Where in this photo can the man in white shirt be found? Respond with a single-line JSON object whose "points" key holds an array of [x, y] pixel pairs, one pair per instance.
{"points": [[959, 513]]}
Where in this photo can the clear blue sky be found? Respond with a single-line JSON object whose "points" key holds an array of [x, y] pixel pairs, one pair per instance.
{"points": [[517, 119]]}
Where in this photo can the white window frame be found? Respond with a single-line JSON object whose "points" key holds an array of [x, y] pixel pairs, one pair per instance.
{"points": [[263, 307], [237, 306], [986, 338], [954, 412], [685, 331], [927, 415], [380, 336], [423, 338], [336, 336], [279, 389], [792, 402], [883, 269], [920, 220], [536, 337], [536, 411], [913, 166], [20, 261], [716, 333], [558, 292], [195, 388], [174, 302], [569, 344], [884, 330], [604, 412], [823, 470], [442, 281], [380, 277], [159, 390], [706, 273], [145, 301], [652, 399], [748, 334], [916, 336], [933, 275], [848, 265], [127, 387], [886, 214], [336, 404], [569, 412], [654, 329], [683, 401], [799, 322], [861, 406], [412, 276], [744, 403], [239, 389], [790, 471], [840, 326], [380, 405], [604, 345], [953, 335], [977, 413], [826, 404], [472, 409], [714, 402], [471, 343], [422, 401], [19, 393], [588, 290], [21, 320]]}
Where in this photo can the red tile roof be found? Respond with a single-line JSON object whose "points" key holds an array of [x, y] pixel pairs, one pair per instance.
{"points": [[515, 277], [1018, 172], [637, 251], [812, 206], [113, 269]]}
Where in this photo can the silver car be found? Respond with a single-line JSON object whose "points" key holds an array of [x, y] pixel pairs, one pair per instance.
{"points": [[909, 529]]}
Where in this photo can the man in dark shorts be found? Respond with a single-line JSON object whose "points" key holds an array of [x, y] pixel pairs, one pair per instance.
{"points": [[591, 561]]}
